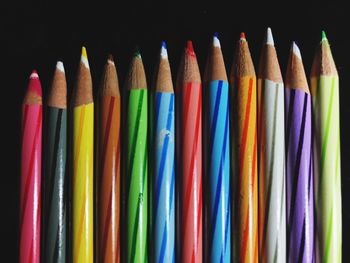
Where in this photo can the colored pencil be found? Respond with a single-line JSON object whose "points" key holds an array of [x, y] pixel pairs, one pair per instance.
{"points": [[325, 95], [189, 111], [55, 190], [109, 165], [164, 147], [218, 165], [299, 171], [137, 163], [244, 151], [83, 142], [30, 182], [272, 192]]}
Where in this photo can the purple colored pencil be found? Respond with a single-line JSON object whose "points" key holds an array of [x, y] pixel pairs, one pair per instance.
{"points": [[299, 169]]}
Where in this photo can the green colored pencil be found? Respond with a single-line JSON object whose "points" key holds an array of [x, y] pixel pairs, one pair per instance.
{"points": [[137, 163], [325, 98]]}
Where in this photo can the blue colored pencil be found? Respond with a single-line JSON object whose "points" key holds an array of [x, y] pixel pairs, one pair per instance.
{"points": [[164, 147], [218, 154]]}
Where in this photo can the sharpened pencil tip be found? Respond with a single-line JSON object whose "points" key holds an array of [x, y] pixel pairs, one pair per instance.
{"points": [[84, 57], [34, 83], [60, 66], [295, 49], [110, 59], [190, 46], [269, 37], [242, 36], [34, 74], [216, 34], [163, 44], [83, 52], [137, 52], [216, 41], [324, 37], [163, 51]]}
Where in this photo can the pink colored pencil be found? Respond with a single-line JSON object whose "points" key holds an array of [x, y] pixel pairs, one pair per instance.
{"points": [[30, 199], [189, 89]]}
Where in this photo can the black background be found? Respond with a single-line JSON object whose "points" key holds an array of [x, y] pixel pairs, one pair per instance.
{"points": [[37, 34]]}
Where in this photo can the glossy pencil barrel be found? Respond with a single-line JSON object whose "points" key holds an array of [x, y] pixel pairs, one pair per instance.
{"points": [[164, 184], [272, 184], [83, 142], [219, 172], [109, 179], [327, 168], [137, 176], [192, 173], [326, 149], [30, 182], [55, 185], [299, 175], [244, 154]]}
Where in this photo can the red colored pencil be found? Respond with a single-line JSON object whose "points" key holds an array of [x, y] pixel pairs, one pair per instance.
{"points": [[189, 89], [30, 182]]}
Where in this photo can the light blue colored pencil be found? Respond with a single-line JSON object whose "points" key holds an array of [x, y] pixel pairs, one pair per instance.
{"points": [[218, 153], [164, 147]]}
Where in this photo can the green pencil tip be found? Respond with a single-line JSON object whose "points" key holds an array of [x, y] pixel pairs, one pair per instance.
{"points": [[137, 52], [324, 37]]}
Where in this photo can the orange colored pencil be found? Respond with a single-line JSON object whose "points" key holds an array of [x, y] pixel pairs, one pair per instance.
{"points": [[244, 151], [109, 166]]}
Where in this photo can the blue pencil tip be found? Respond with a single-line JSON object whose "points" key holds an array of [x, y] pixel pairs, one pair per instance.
{"points": [[164, 44], [216, 34]]}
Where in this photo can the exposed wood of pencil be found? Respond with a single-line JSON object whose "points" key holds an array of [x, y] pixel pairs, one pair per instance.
{"points": [[110, 85], [58, 95], [215, 69], [269, 67], [323, 63], [295, 76], [32, 96], [189, 71], [242, 63], [137, 76], [164, 82], [83, 89]]}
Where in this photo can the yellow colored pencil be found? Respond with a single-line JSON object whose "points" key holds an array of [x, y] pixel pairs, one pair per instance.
{"points": [[83, 141]]}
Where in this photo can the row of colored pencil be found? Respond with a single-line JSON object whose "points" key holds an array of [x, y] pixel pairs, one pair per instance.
{"points": [[258, 180]]}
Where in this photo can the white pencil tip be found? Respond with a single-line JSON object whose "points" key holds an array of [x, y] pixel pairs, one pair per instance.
{"points": [[216, 41], [60, 66], [296, 50], [163, 51], [269, 38]]}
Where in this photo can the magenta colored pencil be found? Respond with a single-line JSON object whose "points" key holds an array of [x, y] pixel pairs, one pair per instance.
{"points": [[30, 182]]}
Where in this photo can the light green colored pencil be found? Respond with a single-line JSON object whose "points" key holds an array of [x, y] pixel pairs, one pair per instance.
{"points": [[137, 164], [325, 95]]}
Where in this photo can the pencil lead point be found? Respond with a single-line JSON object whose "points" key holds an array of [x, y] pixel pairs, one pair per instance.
{"points": [[137, 53], [295, 49], [324, 37], [163, 51], [269, 37], [110, 59], [33, 83], [242, 36], [60, 66], [34, 74], [216, 41], [84, 57], [163, 44], [190, 46]]}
